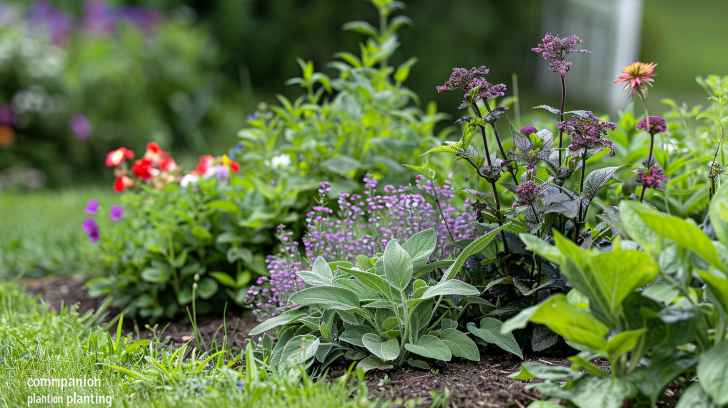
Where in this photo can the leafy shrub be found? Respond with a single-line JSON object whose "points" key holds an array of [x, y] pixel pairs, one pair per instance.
{"points": [[73, 87], [360, 225], [382, 311], [654, 313]]}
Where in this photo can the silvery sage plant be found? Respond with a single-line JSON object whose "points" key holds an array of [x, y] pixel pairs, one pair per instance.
{"points": [[383, 311]]}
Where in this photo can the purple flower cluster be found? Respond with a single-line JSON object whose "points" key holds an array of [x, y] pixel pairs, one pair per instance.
{"points": [[587, 131], [80, 126], [528, 130], [90, 227], [652, 177], [527, 193], [362, 225], [554, 50], [657, 124], [472, 80]]}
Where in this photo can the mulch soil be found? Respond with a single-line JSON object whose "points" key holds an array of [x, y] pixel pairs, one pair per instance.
{"points": [[466, 384]]}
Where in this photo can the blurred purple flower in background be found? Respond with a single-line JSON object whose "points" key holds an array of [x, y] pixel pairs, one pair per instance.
{"points": [[91, 229], [554, 49], [81, 127], [98, 17], [7, 117], [117, 212], [92, 206], [58, 23]]}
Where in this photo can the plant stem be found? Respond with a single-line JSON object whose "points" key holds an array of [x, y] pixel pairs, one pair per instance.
{"points": [[652, 141], [497, 138], [561, 117], [442, 214], [579, 217]]}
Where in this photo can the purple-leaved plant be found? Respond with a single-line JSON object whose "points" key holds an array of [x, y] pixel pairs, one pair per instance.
{"points": [[363, 224]]}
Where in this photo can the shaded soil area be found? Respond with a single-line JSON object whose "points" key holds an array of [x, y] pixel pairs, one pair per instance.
{"points": [[57, 291], [483, 384]]}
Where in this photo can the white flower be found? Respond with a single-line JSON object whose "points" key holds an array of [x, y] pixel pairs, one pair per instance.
{"points": [[280, 161], [189, 179]]}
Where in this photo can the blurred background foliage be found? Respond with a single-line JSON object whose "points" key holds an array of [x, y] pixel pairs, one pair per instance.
{"points": [[188, 72]]}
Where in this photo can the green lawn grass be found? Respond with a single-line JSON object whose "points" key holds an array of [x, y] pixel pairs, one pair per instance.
{"points": [[38, 346], [40, 232]]}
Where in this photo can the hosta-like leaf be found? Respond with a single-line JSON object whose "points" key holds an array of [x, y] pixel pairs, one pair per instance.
{"points": [[719, 287], [635, 227], [541, 247], [695, 397], [385, 350], [602, 392], [373, 281], [451, 287], [319, 275], [460, 344], [713, 372], [596, 180], [490, 332], [568, 321], [421, 245], [623, 342], [398, 266], [300, 349], [430, 347], [277, 321], [327, 296], [373, 363]]}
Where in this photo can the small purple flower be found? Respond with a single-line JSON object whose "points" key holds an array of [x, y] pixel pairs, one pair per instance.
{"points": [[554, 50], [587, 131], [657, 125], [222, 173], [472, 80], [653, 177], [7, 117], [91, 229], [527, 193], [117, 212], [92, 206], [81, 127], [528, 130]]}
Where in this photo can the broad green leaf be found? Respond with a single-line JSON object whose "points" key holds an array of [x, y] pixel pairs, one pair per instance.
{"points": [[652, 378], [451, 287], [713, 372], [300, 349], [385, 350], [341, 165], [420, 316], [490, 332], [319, 275], [695, 397], [623, 342], [397, 265], [543, 404], [719, 288], [430, 346], [683, 233], [568, 321], [635, 227], [225, 279], [224, 205], [158, 274], [354, 334], [596, 180], [473, 248], [460, 344], [373, 363], [421, 245], [280, 320], [602, 392], [719, 214], [541, 248], [328, 296], [373, 281]]}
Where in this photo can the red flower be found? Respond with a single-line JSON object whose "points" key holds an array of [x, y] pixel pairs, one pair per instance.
{"points": [[168, 163], [142, 168], [122, 183], [235, 167], [116, 157], [203, 164], [153, 148], [637, 76]]}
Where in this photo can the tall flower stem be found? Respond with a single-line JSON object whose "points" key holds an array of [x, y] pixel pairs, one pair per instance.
{"points": [[497, 138], [579, 217], [652, 140], [562, 106]]}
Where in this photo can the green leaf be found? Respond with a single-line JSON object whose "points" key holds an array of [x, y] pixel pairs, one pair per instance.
{"points": [[602, 392], [451, 287], [329, 296], [541, 248], [206, 287], [300, 349], [635, 227], [372, 281], [385, 350], [719, 288], [719, 214], [596, 180], [695, 397], [342, 165], [403, 70], [430, 346], [398, 266], [568, 321], [373, 363], [713, 372], [652, 378], [280, 320], [421, 245], [473, 248], [623, 342], [460, 344], [319, 275], [683, 233], [353, 334], [158, 274], [490, 332], [224, 205], [225, 279]]}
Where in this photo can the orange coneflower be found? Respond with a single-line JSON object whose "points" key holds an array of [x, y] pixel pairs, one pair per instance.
{"points": [[637, 76]]}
